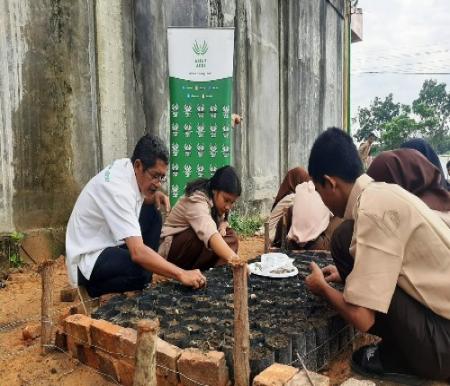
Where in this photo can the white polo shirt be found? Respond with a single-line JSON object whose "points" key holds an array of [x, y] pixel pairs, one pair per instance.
{"points": [[106, 212]]}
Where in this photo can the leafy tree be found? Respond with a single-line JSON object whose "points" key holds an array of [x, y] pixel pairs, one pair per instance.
{"points": [[395, 132], [428, 118], [371, 119], [432, 109]]}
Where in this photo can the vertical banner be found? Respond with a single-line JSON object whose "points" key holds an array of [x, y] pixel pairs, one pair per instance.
{"points": [[201, 84]]}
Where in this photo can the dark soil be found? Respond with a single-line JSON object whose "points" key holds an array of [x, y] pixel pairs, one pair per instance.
{"points": [[285, 318]]}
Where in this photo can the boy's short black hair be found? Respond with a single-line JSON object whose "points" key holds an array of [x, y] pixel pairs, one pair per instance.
{"points": [[372, 135], [334, 154], [149, 149]]}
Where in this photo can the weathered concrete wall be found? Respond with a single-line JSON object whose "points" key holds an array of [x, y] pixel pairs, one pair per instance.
{"points": [[288, 77], [46, 101], [81, 81]]}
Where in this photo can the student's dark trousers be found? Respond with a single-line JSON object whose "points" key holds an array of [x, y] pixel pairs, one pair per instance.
{"points": [[413, 336], [114, 271]]}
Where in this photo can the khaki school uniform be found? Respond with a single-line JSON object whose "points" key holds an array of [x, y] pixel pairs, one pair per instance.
{"points": [[397, 239], [393, 252], [187, 230], [364, 152]]}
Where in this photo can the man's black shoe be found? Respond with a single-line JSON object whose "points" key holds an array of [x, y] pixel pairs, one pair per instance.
{"points": [[367, 362]]}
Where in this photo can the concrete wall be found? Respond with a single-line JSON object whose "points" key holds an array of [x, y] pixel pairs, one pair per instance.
{"points": [[288, 77], [81, 81], [49, 139]]}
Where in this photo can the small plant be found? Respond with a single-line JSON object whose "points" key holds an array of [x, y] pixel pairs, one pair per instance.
{"points": [[15, 260], [245, 225]]}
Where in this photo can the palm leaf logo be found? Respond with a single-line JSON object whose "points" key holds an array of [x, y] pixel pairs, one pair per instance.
{"points": [[200, 49]]}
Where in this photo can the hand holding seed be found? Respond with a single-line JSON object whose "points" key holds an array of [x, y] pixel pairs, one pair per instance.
{"points": [[331, 274], [315, 281]]}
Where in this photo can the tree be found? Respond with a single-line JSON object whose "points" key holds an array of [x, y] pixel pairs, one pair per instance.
{"points": [[428, 118], [371, 119], [432, 109]]}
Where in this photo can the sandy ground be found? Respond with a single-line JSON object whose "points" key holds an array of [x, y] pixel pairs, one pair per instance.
{"points": [[21, 362]]}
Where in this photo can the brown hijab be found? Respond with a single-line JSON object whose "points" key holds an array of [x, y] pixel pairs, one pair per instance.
{"points": [[413, 172], [293, 178]]}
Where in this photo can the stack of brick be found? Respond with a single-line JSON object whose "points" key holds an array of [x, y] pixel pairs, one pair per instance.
{"points": [[111, 349]]}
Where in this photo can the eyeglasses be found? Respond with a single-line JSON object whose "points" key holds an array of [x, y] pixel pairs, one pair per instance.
{"points": [[156, 177]]}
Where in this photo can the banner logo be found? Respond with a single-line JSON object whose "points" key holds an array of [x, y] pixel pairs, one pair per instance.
{"points": [[200, 49]]}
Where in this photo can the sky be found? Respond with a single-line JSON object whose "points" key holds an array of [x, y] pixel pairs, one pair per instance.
{"points": [[399, 36]]}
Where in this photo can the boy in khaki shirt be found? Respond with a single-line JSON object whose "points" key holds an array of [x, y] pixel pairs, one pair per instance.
{"points": [[393, 253]]}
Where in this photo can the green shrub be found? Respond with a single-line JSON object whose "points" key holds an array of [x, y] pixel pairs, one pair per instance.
{"points": [[15, 260], [245, 225]]}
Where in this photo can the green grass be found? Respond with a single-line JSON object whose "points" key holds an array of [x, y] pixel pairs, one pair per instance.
{"points": [[245, 225]]}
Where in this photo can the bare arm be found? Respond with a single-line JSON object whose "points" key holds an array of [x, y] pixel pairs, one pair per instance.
{"points": [[221, 248], [362, 318], [153, 262]]}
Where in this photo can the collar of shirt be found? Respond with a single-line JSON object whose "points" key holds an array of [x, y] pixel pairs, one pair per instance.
{"points": [[134, 184], [358, 187]]}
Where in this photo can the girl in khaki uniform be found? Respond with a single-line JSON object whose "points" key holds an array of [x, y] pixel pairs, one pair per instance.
{"points": [[196, 233]]}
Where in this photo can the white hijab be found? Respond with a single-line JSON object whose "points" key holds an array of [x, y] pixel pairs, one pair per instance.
{"points": [[310, 216]]}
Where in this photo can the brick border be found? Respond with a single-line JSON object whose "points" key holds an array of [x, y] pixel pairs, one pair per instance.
{"points": [[110, 349]]}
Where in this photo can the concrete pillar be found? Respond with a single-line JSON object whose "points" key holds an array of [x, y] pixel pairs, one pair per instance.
{"points": [[111, 80], [13, 16]]}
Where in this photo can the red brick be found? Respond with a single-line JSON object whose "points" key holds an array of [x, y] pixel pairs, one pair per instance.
{"points": [[65, 312], [125, 371], [127, 344], [88, 356], [60, 339], [275, 375], [108, 365], [105, 335], [167, 355], [72, 346], [31, 331], [207, 368], [78, 327]]}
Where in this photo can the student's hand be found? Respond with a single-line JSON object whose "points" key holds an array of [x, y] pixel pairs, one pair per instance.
{"points": [[161, 200], [315, 281], [193, 278], [331, 274], [223, 228]]}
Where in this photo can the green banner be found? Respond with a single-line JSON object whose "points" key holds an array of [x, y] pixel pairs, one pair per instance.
{"points": [[200, 105]]}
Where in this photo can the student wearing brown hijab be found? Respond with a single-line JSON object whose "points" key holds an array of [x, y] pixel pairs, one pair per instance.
{"points": [[415, 173], [397, 255]]}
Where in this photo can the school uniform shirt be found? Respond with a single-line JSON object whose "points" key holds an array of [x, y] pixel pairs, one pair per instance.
{"points": [[277, 213], [105, 213], [445, 216], [194, 212], [397, 240]]}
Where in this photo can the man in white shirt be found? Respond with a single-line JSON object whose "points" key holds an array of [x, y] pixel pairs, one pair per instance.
{"points": [[110, 242]]}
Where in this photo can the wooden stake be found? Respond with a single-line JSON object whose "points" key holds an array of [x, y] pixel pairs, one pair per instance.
{"points": [[241, 349], [46, 271], [284, 233], [266, 237], [145, 367]]}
